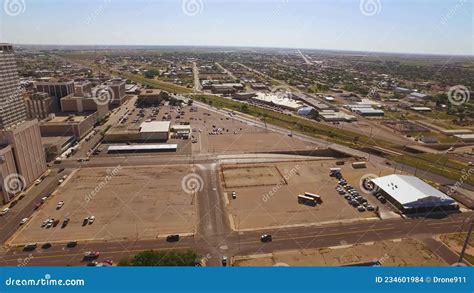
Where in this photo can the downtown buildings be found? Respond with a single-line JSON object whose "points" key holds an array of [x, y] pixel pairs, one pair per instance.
{"points": [[22, 158]]}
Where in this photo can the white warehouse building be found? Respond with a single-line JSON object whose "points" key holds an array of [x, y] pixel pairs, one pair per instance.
{"points": [[412, 195]]}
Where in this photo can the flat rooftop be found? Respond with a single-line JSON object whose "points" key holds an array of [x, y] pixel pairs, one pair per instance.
{"points": [[155, 126], [142, 147]]}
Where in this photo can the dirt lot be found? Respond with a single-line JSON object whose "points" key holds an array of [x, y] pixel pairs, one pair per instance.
{"points": [[269, 199], [245, 177], [129, 203], [407, 252], [456, 241]]}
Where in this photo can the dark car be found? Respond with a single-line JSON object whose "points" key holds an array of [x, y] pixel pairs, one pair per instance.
{"points": [[71, 244], [266, 238], [172, 238], [46, 245]]}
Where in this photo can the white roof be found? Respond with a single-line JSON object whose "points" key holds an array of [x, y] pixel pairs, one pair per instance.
{"points": [[279, 100], [142, 147], [412, 192], [155, 126]]}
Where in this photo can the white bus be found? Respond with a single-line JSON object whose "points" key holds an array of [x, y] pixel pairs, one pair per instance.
{"points": [[303, 199]]}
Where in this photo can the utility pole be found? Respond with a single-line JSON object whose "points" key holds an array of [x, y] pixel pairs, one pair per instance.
{"points": [[468, 236]]}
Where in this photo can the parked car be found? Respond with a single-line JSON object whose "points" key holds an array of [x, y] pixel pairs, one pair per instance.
{"points": [[91, 254], [224, 261], [59, 205], [91, 219], [46, 245], [234, 195], [38, 181], [266, 238], [23, 221], [30, 246], [172, 238], [71, 244], [4, 211]]}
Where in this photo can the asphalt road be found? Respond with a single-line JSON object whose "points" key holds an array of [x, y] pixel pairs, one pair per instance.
{"points": [[9, 223], [247, 243]]}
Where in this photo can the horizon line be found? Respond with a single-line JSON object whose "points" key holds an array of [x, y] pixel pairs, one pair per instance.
{"points": [[251, 47]]}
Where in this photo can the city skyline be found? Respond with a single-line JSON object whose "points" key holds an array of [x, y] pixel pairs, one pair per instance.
{"points": [[417, 27]]}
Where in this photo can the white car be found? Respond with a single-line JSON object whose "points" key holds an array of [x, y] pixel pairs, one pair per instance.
{"points": [[91, 219], [4, 211], [60, 204], [38, 181], [23, 221]]}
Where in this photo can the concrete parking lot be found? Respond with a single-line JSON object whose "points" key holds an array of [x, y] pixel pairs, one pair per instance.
{"points": [[406, 252], [224, 134], [268, 198], [128, 204]]}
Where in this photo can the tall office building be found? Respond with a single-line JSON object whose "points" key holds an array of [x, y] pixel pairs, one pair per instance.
{"points": [[22, 158], [12, 107]]}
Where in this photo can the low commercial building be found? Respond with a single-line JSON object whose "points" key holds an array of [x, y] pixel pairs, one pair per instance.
{"points": [[465, 137], [77, 104], [151, 98], [56, 145], [421, 109], [370, 112], [66, 124], [155, 131], [147, 132], [279, 101], [181, 131], [142, 148], [412, 195], [333, 116]]}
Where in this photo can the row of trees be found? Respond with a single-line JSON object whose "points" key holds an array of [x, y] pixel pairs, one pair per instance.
{"points": [[162, 258]]}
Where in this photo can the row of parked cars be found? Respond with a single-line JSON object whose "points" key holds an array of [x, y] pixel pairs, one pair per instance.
{"points": [[350, 193]]}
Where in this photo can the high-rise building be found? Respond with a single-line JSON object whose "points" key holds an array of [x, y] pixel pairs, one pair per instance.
{"points": [[22, 158], [12, 107]]}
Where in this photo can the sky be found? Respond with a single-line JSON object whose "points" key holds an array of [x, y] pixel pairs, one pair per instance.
{"points": [[417, 26]]}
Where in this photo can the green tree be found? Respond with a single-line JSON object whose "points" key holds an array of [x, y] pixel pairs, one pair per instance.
{"points": [[162, 258]]}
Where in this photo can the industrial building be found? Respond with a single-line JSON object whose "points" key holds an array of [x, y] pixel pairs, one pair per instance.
{"points": [[412, 195], [279, 101]]}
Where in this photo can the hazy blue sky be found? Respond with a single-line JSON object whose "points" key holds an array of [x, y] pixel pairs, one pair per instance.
{"points": [[417, 26]]}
